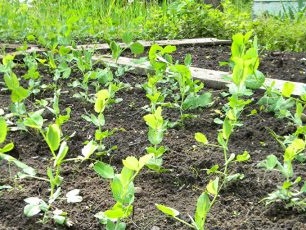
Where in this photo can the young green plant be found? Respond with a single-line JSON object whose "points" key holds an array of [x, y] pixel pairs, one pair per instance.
{"points": [[123, 190]]}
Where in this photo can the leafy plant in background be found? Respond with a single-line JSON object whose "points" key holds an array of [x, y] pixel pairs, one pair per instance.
{"points": [[236, 104], [135, 47], [184, 91], [18, 92], [244, 62], [104, 98], [292, 191], [123, 190]]}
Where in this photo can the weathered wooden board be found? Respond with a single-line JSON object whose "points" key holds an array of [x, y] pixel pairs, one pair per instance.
{"points": [[211, 78]]}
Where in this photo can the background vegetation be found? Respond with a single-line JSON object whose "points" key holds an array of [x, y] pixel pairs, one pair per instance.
{"points": [[49, 22]]}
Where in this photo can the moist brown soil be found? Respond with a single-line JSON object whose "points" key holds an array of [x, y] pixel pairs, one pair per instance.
{"points": [[238, 206]]}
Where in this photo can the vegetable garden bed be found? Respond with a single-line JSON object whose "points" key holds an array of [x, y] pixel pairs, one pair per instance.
{"points": [[185, 163]]}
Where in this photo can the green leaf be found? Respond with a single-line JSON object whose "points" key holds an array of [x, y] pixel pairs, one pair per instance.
{"points": [[202, 209], [195, 101], [62, 152], [131, 163], [243, 157], [104, 170], [19, 94], [116, 49], [227, 129], [53, 137], [101, 98], [213, 169], [169, 49], [144, 160], [11, 81], [255, 81], [117, 189], [127, 38], [269, 163], [167, 210], [187, 60], [200, 137], [137, 48], [288, 89], [35, 120], [212, 187], [3, 130]]}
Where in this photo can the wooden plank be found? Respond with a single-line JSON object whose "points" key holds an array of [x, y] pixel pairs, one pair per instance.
{"points": [[211, 78], [195, 41], [105, 46]]}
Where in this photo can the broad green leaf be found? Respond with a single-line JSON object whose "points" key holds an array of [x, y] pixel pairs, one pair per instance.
{"points": [[53, 137], [101, 98], [155, 164], [19, 94], [169, 49], [35, 120], [293, 149], [269, 163], [196, 101], [202, 209], [117, 189], [62, 152], [212, 187], [200, 137], [255, 81], [288, 89], [131, 163], [3, 130], [227, 129], [167, 210], [243, 157], [11, 81], [155, 136], [104, 170], [127, 38], [137, 48], [116, 49]]}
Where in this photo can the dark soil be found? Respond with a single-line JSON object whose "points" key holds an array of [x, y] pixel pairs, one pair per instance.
{"points": [[288, 66], [238, 206]]}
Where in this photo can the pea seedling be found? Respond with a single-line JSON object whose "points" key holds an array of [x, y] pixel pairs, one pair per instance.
{"points": [[123, 190]]}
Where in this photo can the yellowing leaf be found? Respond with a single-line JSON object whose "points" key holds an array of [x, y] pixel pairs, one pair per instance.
{"points": [[144, 159], [131, 163], [212, 187], [288, 89], [200, 137], [100, 102], [3, 130]]}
